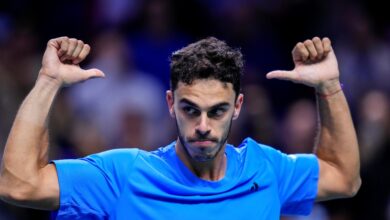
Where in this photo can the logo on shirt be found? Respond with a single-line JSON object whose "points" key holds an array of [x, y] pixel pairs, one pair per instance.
{"points": [[255, 187]]}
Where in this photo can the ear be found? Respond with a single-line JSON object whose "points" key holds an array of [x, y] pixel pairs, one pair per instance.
{"points": [[237, 106], [170, 102]]}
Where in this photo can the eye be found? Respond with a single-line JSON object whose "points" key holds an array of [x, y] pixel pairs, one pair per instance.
{"points": [[215, 113], [191, 111]]}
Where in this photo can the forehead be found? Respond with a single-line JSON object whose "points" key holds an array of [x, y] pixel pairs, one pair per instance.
{"points": [[205, 92]]}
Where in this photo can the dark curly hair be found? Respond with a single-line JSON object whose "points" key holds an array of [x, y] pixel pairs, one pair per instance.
{"points": [[208, 58]]}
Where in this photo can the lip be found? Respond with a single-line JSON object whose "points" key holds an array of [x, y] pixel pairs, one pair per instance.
{"points": [[202, 143]]}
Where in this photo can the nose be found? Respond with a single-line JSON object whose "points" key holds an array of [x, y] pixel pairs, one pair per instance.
{"points": [[203, 127]]}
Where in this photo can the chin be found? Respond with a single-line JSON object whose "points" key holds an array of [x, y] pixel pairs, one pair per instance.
{"points": [[203, 158], [203, 154]]}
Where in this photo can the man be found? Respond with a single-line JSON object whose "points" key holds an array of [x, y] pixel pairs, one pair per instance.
{"points": [[199, 175]]}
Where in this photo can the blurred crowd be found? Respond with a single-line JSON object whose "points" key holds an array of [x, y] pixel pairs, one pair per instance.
{"points": [[131, 42]]}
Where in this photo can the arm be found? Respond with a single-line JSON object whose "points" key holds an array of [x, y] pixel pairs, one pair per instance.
{"points": [[337, 147], [26, 178]]}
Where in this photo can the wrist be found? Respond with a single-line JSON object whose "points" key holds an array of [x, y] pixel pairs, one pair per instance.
{"points": [[329, 88], [46, 79]]}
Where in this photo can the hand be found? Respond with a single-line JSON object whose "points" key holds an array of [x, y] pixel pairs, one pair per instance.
{"points": [[315, 65], [61, 59]]}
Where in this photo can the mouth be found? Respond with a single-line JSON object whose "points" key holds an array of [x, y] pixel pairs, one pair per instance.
{"points": [[202, 143]]}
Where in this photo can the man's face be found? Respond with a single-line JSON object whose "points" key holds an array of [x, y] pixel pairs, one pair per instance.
{"points": [[204, 112]]}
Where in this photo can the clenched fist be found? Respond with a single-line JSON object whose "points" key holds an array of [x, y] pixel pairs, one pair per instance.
{"points": [[61, 59]]}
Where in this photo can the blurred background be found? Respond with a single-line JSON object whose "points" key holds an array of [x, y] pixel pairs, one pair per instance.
{"points": [[131, 42]]}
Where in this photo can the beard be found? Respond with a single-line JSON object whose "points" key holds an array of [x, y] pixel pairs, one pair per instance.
{"points": [[206, 154]]}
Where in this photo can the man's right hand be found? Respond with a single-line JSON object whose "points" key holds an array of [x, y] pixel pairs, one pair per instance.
{"points": [[26, 176], [60, 63]]}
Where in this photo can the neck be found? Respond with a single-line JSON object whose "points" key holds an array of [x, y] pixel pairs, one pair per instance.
{"points": [[212, 170]]}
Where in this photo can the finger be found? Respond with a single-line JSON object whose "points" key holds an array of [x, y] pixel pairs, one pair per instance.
{"points": [[63, 43], [77, 50], [92, 73], [300, 53], [319, 47], [83, 54], [327, 45], [311, 48], [72, 43], [282, 74]]}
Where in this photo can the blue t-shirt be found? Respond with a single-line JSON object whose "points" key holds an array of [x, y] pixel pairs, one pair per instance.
{"points": [[260, 183]]}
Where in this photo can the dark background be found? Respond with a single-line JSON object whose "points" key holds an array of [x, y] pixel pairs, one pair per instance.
{"points": [[131, 42]]}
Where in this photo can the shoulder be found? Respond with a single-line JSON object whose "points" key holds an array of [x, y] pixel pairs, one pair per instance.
{"points": [[255, 156], [267, 154], [128, 155], [114, 154], [113, 159], [255, 148]]}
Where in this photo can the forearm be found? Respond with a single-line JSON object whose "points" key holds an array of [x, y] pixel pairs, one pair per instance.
{"points": [[26, 149], [337, 142]]}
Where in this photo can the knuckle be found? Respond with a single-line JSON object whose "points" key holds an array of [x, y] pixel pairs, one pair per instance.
{"points": [[316, 39], [301, 48], [62, 39], [307, 42], [86, 49]]}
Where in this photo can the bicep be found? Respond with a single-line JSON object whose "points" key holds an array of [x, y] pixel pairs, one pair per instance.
{"points": [[330, 183], [50, 187], [44, 193]]}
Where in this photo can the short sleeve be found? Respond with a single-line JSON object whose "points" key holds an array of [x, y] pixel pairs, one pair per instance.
{"points": [[90, 186], [297, 177]]}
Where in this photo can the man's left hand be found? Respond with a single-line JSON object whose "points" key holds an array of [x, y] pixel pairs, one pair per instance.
{"points": [[315, 66]]}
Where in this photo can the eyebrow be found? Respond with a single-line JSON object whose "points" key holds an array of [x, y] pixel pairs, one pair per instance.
{"points": [[218, 105]]}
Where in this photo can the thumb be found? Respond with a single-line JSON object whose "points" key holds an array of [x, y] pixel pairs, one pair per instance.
{"points": [[282, 74], [93, 73]]}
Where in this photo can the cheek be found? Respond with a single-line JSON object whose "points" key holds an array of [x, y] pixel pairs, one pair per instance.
{"points": [[224, 125], [183, 123]]}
